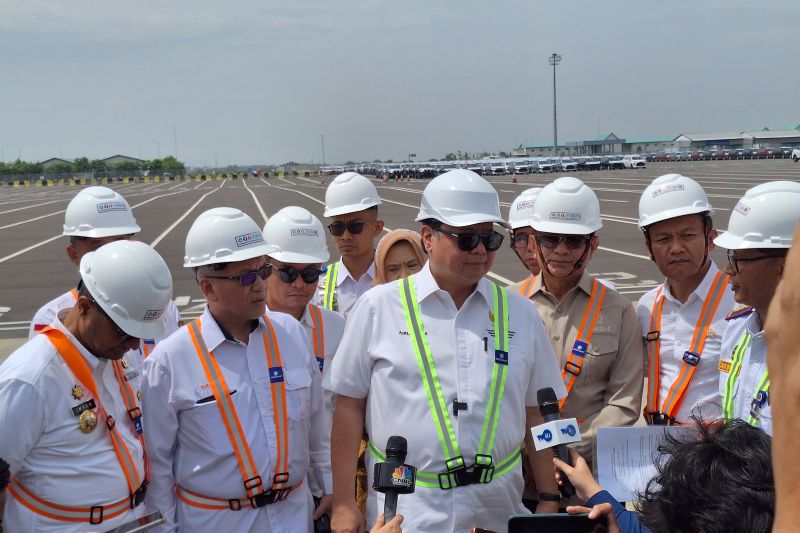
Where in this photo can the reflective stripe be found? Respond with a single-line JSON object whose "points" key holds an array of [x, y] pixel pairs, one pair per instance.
{"points": [[584, 336], [430, 480], [134, 412], [67, 514], [147, 347], [527, 286], [80, 368], [330, 286], [318, 334], [736, 360], [679, 387], [74, 293], [252, 480], [653, 350], [430, 378], [219, 504], [763, 385]]}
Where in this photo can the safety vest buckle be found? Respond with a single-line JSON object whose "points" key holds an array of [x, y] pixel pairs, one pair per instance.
{"points": [[653, 336], [280, 477], [110, 423], [135, 413], [138, 497], [572, 368], [660, 419], [96, 514], [484, 469], [234, 504], [252, 483]]}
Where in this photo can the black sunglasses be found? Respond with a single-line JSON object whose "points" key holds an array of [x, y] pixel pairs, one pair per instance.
{"points": [[123, 337], [289, 274], [354, 227], [734, 261], [573, 242], [246, 279], [467, 242]]}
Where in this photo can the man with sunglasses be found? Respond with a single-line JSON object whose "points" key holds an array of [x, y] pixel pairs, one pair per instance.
{"points": [[592, 328], [94, 217], [297, 240], [452, 362], [69, 399], [758, 239], [235, 400], [351, 205], [519, 215], [683, 319]]}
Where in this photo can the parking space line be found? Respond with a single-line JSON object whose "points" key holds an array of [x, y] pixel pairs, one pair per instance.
{"points": [[258, 204], [31, 220], [29, 248], [183, 216], [28, 207]]}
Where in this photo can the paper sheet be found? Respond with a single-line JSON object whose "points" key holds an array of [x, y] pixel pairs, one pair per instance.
{"points": [[626, 457]]}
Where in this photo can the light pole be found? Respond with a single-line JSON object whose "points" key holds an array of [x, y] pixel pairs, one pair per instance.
{"points": [[322, 140], [554, 60]]}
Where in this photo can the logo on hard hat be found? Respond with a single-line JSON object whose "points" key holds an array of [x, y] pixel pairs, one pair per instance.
{"points": [[111, 206], [741, 208], [524, 204], [249, 238], [668, 188], [304, 232], [153, 314], [563, 215]]}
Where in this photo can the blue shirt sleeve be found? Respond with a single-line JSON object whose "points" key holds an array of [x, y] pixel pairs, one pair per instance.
{"points": [[628, 520]]}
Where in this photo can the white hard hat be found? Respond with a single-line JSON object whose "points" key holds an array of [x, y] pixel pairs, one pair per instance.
{"points": [[460, 198], [521, 209], [296, 236], [132, 284], [765, 217], [99, 212], [223, 235], [670, 196], [567, 206], [349, 193]]}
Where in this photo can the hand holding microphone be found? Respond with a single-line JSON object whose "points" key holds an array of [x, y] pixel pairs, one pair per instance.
{"points": [[393, 477]]}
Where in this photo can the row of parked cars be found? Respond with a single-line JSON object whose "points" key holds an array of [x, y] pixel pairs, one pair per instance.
{"points": [[718, 154]]}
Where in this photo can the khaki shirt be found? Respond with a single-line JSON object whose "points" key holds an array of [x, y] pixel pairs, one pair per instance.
{"points": [[608, 390]]}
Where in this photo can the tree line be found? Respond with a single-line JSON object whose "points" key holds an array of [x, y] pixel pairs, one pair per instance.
{"points": [[84, 164]]}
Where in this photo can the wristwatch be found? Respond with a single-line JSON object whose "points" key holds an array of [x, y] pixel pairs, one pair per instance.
{"points": [[549, 497]]}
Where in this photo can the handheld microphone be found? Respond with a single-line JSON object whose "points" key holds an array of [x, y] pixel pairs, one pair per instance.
{"points": [[548, 406], [394, 477]]}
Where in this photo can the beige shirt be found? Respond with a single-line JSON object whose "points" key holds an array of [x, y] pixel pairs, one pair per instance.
{"points": [[608, 389]]}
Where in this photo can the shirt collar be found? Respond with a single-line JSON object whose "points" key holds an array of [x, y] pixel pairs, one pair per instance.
{"points": [[213, 332], [344, 273], [701, 291], [425, 285], [92, 360], [585, 283]]}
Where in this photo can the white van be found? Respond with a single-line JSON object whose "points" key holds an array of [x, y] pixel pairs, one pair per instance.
{"points": [[634, 161]]}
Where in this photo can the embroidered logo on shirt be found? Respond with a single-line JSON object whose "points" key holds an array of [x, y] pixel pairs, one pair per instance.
{"points": [[275, 374], [203, 391]]}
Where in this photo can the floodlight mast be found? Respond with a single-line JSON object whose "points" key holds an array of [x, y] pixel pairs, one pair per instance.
{"points": [[554, 60]]}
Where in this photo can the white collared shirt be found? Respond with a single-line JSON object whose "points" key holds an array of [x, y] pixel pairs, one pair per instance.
{"points": [[754, 364], [41, 439], [678, 321], [376, 361], [348, 289], [187, 441]]}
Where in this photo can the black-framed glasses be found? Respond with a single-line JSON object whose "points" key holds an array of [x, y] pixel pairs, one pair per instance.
{"points": [[308, 275], [551, 240], [354, 227], [123, 337], [519, 240], [246, 279], [734, 261], [467, 242]]}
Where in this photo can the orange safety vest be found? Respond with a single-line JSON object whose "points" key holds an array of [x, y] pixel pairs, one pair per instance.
{"points": [[136, 485], [257, 495], [318, 334], [527, 286], [691, 358], [583, 338]]}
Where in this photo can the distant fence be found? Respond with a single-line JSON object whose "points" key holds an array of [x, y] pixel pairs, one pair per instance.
{"points": [[110, 178]]}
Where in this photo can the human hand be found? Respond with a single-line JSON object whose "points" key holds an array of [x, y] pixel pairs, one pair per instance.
{"points": [[346, 518], [601, 509], [579, 475], [393, 526], [325, 506]]}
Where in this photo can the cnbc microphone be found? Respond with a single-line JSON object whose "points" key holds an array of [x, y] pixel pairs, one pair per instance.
{"points": [[555, 433], [393, 477]]}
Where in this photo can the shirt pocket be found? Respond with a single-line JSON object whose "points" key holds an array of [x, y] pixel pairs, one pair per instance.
{"points": [[600, 355], [298, 392], [203, 425]]}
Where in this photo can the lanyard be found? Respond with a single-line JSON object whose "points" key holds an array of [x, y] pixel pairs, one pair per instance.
{"points": [[691, 358], [318, 334], [583, 338], [252, 480], [433, 390], [330, 286], [80, 368], [728, 410], [527, 286]]}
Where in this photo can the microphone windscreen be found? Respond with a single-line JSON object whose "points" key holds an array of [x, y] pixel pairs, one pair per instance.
{"points": [[548, 403], [396, 446]]}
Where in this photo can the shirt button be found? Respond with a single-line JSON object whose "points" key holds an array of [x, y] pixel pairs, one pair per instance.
{"points": [[556, 337], [558, 309]]}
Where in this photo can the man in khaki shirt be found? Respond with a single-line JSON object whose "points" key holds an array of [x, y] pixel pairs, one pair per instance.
{"points": [[592, 328]]}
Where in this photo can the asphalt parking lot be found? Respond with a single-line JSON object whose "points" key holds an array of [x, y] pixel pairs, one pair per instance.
{"points": [[34, 267]]}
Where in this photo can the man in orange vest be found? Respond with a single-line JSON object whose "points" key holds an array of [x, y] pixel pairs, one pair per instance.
{"points": [[239, 415], [69, 399]]}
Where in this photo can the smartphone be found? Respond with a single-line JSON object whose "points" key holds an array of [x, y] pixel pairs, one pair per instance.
{"points": [[563, 523]]}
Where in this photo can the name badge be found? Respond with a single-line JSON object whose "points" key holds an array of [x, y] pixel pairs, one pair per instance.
{"points": [[579, 348], [81, 407], [276, 374], [501, 357], [321, 363]]}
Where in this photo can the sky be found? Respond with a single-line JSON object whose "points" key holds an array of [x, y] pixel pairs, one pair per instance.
{"points": [[259, 82]]}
